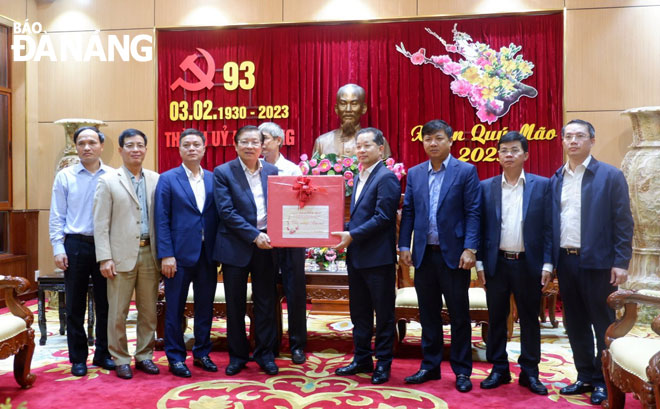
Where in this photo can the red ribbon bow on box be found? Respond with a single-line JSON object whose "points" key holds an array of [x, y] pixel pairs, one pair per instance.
{"points": [[303, 187]]}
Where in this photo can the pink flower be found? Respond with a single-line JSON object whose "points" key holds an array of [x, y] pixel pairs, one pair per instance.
{"points": [[496, 104], [348, 175], [348, 162], [475, 94], [451, 48], [330, 255], [337, 167], [349, 182], [486, 116], [398, 175], [316, 171], [313, 162], [452, 68], [304, 168], [325, 165], [441, 60], [461, 87], [419, 57], [389, 161], [304, 156], [482, 62]]}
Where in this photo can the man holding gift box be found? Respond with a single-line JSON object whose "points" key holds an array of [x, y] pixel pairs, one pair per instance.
{"points": [[290, 260], [240, 190], [371, 258]]}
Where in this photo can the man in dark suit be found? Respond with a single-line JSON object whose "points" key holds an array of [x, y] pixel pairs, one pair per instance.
{"points": [[186, 222], [441, 206], [515, 257], [592, 243], [371, 258], [243, 247]]}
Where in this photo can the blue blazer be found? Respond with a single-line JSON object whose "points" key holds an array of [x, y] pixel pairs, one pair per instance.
{"points": [[179, 223], [458, 211], [237, 210], [606, 229], [537, 222], [373, 220]]}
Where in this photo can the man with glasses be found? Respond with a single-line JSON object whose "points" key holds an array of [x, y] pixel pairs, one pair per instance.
{"points": [[71, 228], [592, 246], [515, 258], [123, 226], [240, 189], [186, 222]]}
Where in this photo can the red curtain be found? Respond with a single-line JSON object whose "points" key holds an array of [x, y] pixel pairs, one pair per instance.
{"points": [[302, 66]]}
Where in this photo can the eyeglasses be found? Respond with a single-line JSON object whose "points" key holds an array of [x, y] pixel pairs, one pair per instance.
{"points": [[513, 151], [577, 137], [245, 143]]}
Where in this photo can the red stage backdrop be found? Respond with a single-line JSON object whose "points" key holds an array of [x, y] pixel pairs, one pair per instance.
{"points": [[219, 80]]}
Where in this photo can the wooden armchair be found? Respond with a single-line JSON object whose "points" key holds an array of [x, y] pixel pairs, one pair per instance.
{"points": [[632, 364], [16, 334]]}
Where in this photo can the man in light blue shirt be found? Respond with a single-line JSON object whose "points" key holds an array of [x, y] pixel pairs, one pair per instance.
{"points": [[71, 228]]}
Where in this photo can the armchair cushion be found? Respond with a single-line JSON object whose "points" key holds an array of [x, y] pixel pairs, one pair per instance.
{"points": [[406, 297], [219, 294], [10, 326], [633, 354]]}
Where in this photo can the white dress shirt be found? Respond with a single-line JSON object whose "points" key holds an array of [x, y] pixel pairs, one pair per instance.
{"points": [[571, 204], [362, 179], [286, 167], [254, 180], [197, 186]]}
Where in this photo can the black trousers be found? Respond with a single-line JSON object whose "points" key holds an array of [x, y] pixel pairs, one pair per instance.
{"points": [[372, 290], [203, 277], [291, 263], [433, 279], [82, 265], [584, 294], [513, 277], [262, 272]]}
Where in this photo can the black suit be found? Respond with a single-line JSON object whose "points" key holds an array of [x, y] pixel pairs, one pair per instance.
{"points": [[521, 277], [235, 249], [371, 259]]}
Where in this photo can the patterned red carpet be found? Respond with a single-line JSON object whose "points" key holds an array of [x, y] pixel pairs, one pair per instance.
{"points": [[312, 385]]}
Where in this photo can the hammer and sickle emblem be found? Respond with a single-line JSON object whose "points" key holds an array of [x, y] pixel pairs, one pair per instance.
{"points": [[205, 78]]}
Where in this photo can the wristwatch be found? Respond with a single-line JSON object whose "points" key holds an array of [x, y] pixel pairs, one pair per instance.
{"points": [[473, 251]]}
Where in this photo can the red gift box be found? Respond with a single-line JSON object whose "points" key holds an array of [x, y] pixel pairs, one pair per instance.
{"points": [[298, 204]]}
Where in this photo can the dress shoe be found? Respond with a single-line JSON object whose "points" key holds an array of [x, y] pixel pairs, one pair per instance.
{"points": [[233, 369], [270, 368], [355, 368], [79, 369], [180, 369], [532, 383], [147, 366], [598, 395], [495, 379], [105, 363], [124, 371], [423, 375], [576, 388], [205, 363], [463, 383], [298, 356], [381, 374]]}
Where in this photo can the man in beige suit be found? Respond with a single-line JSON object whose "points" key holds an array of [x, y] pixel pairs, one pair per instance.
{"points": [[126, 250]]}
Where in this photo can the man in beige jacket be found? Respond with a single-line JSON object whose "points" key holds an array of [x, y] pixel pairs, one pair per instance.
{"points": [[126, 250]]}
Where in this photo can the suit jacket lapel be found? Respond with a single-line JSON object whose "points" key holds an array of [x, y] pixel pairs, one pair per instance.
{"points": [[371, 177], [497, 198], [182, 177], [448, 180], [527, 193], [264, 186], [125, 180], [239, 175], [208, 187]]}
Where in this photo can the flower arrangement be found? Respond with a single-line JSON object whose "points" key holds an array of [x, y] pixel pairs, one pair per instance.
{"points": [[491, 80], [348, 167], [325, 256]]}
